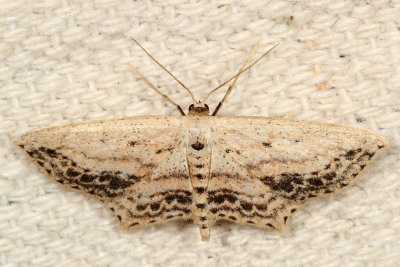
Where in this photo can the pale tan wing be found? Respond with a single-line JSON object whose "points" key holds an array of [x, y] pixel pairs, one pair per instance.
{"points": [[262, 169], [135, 166]]}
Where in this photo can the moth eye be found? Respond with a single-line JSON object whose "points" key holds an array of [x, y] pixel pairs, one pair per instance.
{"points": [[191, 107], [206, 106]]}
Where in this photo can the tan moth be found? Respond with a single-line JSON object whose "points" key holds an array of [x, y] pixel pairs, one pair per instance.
{"points": [[249, 170]]}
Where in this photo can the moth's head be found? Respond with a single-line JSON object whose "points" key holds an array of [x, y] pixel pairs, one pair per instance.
{"points": [[199, 108]]}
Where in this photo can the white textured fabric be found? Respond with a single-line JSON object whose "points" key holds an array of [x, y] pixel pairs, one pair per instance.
{"points": [[67, 61]]}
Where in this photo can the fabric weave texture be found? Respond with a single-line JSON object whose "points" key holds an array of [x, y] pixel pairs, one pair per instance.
{"points": [[68, 61]]}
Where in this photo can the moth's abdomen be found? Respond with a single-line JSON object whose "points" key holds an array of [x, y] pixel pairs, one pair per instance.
{"points": [[198, 157]]}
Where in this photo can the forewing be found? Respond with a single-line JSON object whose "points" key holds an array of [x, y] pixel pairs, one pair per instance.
{"points": [[135, 166], [262, 169]]}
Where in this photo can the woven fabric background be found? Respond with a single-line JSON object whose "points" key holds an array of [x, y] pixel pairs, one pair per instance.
{"points": [[67, 61]]}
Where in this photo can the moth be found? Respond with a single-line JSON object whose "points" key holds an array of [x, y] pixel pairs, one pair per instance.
{"points": [[250, 170]]}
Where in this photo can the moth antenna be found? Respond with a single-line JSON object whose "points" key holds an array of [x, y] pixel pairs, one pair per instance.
{"points": [[240, 72], [164, 96], [235, 80], [164, 68]]}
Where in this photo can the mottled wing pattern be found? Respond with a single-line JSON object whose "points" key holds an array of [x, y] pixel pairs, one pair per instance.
{"points": [[263, 169], [135, 166]]}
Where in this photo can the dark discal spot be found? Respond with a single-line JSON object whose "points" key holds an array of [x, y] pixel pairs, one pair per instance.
{"points": [[311, 195], [343, 184], [72, 173], [75, 187], [246, 205], [170, 216], [133, 224], [380, 146], [336, 159], [155, 206], [315, 182], [221, 215], [201, 206], [199, 166], [197, 146], [119, 217], [199, 176], [40, 163], [200, 189], [267, 144], [132, 143], [204, 227], [285, 219], [232, 218], [228, 151], [152, 221], [22, 146], [250, 222], [203, 218], [292, 210], [112, 209], [327, 191], [362, 166], [314, 173]]}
